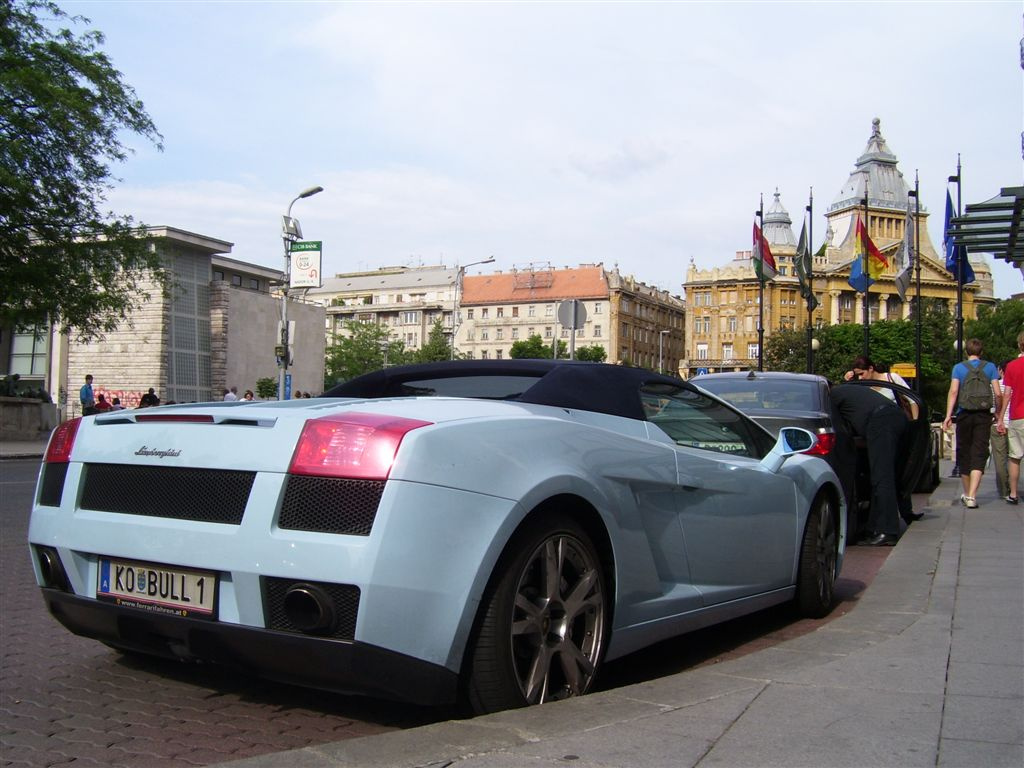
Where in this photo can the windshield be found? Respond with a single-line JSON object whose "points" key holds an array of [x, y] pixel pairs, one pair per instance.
{"points": [[764, 394]]}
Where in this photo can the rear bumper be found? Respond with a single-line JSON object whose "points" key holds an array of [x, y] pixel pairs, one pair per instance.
{"points": [[334, 665]]}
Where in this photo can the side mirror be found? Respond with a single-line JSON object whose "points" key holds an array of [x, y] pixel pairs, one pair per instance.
{"points": [[792, 440]]}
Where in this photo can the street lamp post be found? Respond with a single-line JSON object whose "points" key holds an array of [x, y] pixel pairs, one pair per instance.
{"points": [[290, 232], [458, 290], [661, 350], [815, 346]]}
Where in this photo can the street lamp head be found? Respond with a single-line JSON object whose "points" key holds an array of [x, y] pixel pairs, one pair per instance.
{"points": [[310, 192], [815, 345]]}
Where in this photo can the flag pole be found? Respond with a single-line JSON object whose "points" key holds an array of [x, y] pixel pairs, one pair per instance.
{"points": [[919, 381], [760, 289], [810, 279], [960, 256], [865, 267]]}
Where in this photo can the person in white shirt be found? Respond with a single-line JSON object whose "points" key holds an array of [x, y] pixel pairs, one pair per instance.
{"points": [[231, 395]]}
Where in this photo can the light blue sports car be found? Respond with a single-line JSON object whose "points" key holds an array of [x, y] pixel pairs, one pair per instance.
{"points": [[484, 531]]}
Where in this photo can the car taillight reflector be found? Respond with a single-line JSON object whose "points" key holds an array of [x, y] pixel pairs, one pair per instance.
{"points": [[356, 445], [58, 451], [826, 442]]}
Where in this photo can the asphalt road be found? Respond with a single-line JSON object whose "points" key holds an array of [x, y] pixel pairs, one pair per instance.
{"points": [[69, 701]]}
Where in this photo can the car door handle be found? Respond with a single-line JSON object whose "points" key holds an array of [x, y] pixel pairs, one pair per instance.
{"points": [[690, 482]]}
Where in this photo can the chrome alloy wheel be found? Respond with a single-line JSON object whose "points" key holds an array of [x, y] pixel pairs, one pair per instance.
{"points": [[558, 620], [825, 548]]}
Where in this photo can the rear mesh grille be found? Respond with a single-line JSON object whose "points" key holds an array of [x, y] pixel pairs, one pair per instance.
{"points": [[330, 504], [52, 487], [344, 596], [201, 495]]}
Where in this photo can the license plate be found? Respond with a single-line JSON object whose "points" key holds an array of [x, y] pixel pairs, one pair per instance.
{"points": [[158, 588]]}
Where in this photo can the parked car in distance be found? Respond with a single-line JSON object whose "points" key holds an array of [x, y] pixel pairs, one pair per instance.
{"points": [[484, 531], [776, 398]]}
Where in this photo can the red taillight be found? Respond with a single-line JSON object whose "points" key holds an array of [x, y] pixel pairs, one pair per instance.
{"points": [[826, 442], [58, 451], [357, 445]]}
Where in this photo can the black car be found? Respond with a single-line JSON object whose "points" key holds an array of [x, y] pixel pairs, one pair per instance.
{"points": [[776, 399]]}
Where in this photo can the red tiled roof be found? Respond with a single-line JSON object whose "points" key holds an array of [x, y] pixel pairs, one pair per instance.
{"points": [[540, 285]]}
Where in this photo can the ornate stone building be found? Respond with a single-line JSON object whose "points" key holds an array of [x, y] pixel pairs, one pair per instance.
{"points": [[723, 302]]}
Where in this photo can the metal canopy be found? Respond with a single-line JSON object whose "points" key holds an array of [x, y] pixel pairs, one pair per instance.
{"points": [[993, 226]]}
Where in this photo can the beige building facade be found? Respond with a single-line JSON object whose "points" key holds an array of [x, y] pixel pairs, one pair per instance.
{"points": [[724, 301], [632, 322]]}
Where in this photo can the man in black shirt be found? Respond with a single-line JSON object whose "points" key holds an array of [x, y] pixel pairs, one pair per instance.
{"points": [[883, 426]]}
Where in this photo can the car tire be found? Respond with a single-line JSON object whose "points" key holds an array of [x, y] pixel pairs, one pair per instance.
{"points": [[818, 557], [543, 622]]}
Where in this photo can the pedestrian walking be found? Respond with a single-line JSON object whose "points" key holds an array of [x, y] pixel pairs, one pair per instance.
{"points": [[1013, 409], [998, 441], [974, 393]]}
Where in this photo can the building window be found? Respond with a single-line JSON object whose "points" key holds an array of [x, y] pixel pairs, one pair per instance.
{"points": [[498, 354], [547, 331], [483, 313], [727, 351], [484, 335], [702, 351], [254, 284], [236, 280], [218, 275], [499, 333], [469, 314], [731, 323], [565, 332], [410, 318], [752, 350], [597, 331], [501, 311], [29, 352], [531, 311], [483, 354], [531, 331], [597, 308], [515, 311], [515, 333]]}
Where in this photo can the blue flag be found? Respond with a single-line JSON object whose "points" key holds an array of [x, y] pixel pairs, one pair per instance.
{"points": [[954, 253]]}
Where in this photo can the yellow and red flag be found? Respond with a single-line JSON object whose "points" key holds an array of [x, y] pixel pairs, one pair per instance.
{"points": [[876, 262]]}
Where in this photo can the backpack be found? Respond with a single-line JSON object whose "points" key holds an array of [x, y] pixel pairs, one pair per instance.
{"points": [[975, 390]]}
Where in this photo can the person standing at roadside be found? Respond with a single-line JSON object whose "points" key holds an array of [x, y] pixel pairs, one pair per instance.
{"points": [[86, 397], [883, 426], [1014, 406], [973, 393], [149, 400]]}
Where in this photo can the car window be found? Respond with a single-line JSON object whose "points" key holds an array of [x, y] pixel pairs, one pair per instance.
{"points": [[694, 420], [764, 394], [485, 387]]}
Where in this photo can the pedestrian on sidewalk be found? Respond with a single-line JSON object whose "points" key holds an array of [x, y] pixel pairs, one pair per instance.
{"points": [[1013, 406], [86, 397], [883, 426], [998, 442], [974, 394]]}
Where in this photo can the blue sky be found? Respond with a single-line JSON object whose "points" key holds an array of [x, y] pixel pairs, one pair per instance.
{"points": [[637, 134]]}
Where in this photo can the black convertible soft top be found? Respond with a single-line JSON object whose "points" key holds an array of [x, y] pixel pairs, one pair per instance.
{"points": [[597, 387]]}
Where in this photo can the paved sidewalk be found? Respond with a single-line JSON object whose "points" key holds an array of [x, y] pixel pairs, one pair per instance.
{"points": [[23, 449], [927, 670]]}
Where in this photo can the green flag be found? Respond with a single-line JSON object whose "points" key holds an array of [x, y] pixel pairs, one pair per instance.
{"points": [[804, 269]]}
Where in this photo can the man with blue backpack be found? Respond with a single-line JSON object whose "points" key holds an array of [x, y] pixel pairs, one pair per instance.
{"points": [[974, 396]]}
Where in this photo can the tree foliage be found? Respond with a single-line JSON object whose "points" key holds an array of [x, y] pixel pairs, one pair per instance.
{"points": [[997, 327], [266, 388], [365, 347], [438, 346], [535, 348], [64, 114], [595, 353]]}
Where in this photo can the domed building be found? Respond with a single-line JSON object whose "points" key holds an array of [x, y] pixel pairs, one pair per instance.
{"points": [[722, 302]]}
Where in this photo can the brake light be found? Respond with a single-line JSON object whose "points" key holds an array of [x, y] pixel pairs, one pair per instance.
{"points": [[58, 450], [353, 445], [826, 442]]}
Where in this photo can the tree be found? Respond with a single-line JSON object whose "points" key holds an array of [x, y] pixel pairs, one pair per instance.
{"points": [[64, 115], [266, 389], [437, 347], [997, 327], [365, 347], [595, 353], [535, 348]]}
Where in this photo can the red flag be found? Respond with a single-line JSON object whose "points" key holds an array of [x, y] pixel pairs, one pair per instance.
{"points": [[764, 262]]}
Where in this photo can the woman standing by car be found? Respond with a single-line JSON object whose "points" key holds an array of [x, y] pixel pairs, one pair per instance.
{"points": [[864, 369]]}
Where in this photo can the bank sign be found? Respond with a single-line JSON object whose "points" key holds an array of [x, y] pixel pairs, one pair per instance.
{"points": [[305, 269]]}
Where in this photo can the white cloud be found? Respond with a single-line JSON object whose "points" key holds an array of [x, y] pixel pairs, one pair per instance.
{"points": [[636, 133]]}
